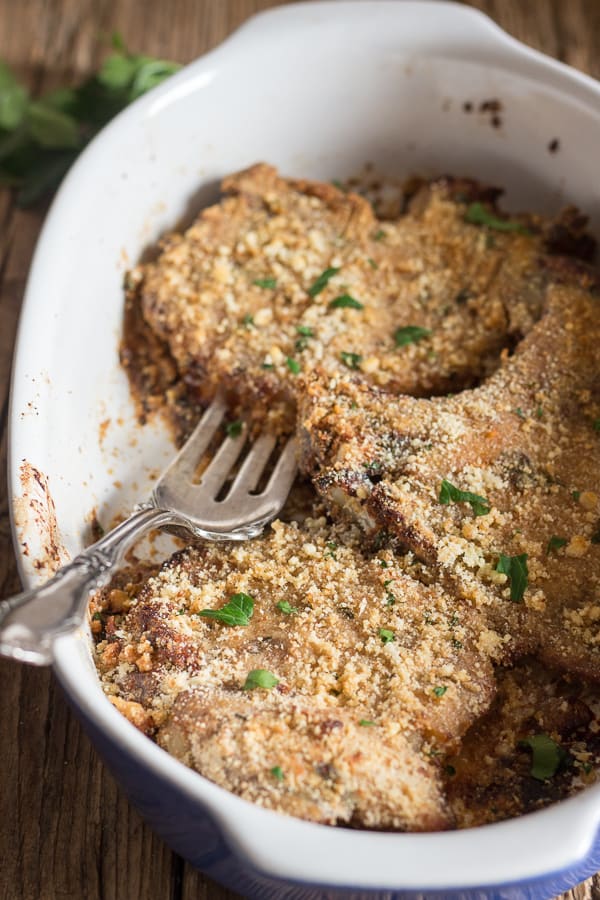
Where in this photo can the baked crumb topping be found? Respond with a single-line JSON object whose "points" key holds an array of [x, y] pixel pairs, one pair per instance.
{"points": [[407, 651]]}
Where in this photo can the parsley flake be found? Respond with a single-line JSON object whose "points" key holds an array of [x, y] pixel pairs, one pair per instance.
{"points": [[331, 548], [260, 678], [519, 412], [286, 608], [268, 283], [379, 235], [345, 301], [237, 611], [366, 723], [575, 495], [477, 214], [293, 365], [386, 635], [277, 772], [372, 262], [547, 756], [248, 321], [410, 334], [305, 330], [450, 494], [234, 429], [516, 569], [555, 543], [322, 281], [352, 360], [596, 424], [440, 690]]}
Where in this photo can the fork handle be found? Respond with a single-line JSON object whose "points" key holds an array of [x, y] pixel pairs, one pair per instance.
{"points": [[30, 622]]}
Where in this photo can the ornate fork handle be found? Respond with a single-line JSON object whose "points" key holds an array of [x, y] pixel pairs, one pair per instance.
{"points": [[31, 621]]}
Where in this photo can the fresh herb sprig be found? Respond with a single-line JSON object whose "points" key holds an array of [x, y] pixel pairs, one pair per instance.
{"points": [[450, 494], [515, 567], [237, 611], [478, 214], [41, 137]]}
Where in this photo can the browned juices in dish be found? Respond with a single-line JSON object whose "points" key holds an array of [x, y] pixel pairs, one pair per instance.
{"points": [[414, 646]]}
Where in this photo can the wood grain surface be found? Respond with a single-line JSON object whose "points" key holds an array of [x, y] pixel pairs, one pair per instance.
{"points": [[65, 829]]}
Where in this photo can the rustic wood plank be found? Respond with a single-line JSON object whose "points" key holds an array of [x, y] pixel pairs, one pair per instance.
{"points": [[65, 829]]}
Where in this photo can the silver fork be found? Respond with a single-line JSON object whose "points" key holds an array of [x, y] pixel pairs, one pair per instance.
{"points": [[30, 622]]}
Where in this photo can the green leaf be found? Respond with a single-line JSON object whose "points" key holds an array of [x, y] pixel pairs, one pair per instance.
{"points": [[260, 678], [555, 543], [596, 425], [477, 214], [63, 99], [547, 756], [234, 429], [352, 360], [516, 569], [386, 635], [322, 281], [269, 283], [450, 494], [379, 235], [305, 330], [372, 262], [345, 301], [52, 128], [237, 611], [117, 42], [366, 723], [13, 100], [440, 690], [286, 608], [277, 772], [118, 71], [410, 334], [293, 365], [150, 74]]}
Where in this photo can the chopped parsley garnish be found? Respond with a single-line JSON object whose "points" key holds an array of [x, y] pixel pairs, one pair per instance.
{"points": [[372, 262], [268, 366], [451, 494], [260, 678], [596, 425], [386, 635], [555, 543], [519, 412], [440, 690], [516, 569], [331, 548], [390, 599], [539, 412], [457, 644], [234, 429], [268, 283], [322, 281], [384, 564], [97, 617], [379, 235], [248, 321], [277, 772], [237, 611], [301, 344], [305, 330], [345, 301], [366, 723], [286, 607], [293, 365], [181, 612], [575, 495], [477, 214], [352, 360], [410, 334], [547, 756]]}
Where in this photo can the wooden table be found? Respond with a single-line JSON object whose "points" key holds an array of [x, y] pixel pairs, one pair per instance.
{"points": [[65, 829]]}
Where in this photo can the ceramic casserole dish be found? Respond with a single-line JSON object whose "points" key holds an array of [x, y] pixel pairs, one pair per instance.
{"points": [[318, 89]]}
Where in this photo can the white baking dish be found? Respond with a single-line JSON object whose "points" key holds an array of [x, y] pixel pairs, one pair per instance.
{"points": [[318, 89]]}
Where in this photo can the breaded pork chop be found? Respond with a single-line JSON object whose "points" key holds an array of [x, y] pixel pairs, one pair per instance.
{"points": [[285, 275], [523, 545], [371, 674]]}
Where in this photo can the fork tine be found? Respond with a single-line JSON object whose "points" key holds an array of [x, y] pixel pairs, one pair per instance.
{"points": [[285, 469], [186, 461], [215, 474], [251, 469]]}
